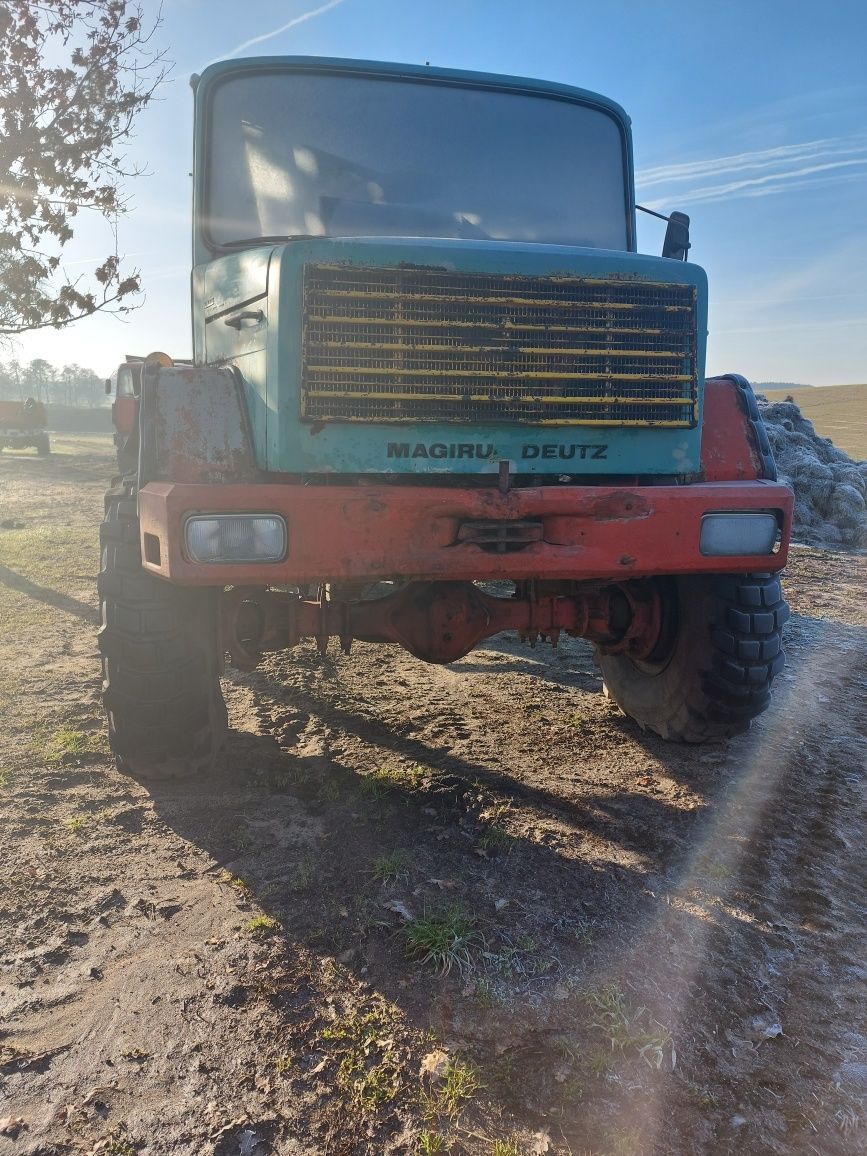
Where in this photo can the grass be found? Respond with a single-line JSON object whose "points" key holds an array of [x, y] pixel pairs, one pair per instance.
{"points": [[599, 1062], [520, 957], [329, 792], [263, 926], [460, 1083], [583, 933], [505, 1148], [280, 781], [369, 1067], [483, 993], [391, 867], [66, 744], [303, 874], [242, 838], [623, 1142], [444, 938], [431, 1143], [5, 779], [379, 784], [496, 837], [626, 1028], [115, 1144], [41, 553], [234, 881]]}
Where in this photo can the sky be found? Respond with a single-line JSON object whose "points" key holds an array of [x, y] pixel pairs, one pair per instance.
{"points": [[749, 115]]}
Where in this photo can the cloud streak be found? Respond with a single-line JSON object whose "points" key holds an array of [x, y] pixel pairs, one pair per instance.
{"points": [[759, 173], [293, 23]]}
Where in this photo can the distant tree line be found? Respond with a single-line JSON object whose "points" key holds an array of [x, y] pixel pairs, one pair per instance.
{"points": [[781, 385], [70, 385]]}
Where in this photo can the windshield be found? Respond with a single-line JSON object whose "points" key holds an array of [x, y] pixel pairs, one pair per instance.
{"points": [[331, 154]]}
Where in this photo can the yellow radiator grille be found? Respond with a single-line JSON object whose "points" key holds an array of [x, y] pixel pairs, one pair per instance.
{"points": [[416, 344]]}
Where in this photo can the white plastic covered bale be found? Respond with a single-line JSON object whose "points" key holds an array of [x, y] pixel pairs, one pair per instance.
{"points": [[830, 488]]}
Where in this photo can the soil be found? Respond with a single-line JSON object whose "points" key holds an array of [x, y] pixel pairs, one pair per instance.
{"points": [[656, 949]]}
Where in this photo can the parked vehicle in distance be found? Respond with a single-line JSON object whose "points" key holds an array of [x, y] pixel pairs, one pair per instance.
{"points": [[22, 424]]}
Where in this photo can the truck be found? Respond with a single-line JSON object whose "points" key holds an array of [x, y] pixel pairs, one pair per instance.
{"points": [[22, 424], [436, 393]]}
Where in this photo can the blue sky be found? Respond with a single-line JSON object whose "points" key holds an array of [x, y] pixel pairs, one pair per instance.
{"points": [[750, 115]]}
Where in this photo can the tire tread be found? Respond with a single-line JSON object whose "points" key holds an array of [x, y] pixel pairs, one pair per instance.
{"points": [[734, 662], [160, 657]]}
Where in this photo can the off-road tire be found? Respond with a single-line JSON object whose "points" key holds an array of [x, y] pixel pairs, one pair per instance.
{"points": [[160, 658], [719, 652]]}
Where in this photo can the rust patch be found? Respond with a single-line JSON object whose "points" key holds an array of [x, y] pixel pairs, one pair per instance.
{"points": [[621, 506], [201, 427]]}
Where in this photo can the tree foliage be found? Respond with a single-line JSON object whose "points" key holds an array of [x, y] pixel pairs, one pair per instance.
{"points": [[73, 385], [74, 74]]}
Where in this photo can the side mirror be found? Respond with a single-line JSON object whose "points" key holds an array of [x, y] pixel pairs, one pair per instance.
{"points": [[108, 387], [676, 243]]}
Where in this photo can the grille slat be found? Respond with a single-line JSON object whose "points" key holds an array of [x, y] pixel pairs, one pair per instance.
{"points": [[410, 344]]}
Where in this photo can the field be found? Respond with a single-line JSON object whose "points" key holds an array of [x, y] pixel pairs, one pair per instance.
{"points": [[838, 412], [468, 909]]}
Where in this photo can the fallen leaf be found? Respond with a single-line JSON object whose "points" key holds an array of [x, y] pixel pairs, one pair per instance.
{"points": [[227, 1128], [434, 1065], [12, 1125], [400, 909], [540, 1142]]}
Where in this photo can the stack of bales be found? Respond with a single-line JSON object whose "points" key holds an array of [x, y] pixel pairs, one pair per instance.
{"points": [[830, 488]]}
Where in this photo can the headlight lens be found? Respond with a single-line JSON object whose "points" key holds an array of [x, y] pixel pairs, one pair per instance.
{"points": [[731, 535], [236, 538]]}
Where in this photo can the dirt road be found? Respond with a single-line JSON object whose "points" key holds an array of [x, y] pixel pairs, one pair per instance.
{"points": [[651, 949]]}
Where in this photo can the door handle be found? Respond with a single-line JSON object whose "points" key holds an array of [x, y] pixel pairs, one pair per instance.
{"points": [[256, 316]]}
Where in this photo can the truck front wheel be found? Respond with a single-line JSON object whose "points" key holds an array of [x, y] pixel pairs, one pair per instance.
{"points": [[160, 658], [719, 649]]}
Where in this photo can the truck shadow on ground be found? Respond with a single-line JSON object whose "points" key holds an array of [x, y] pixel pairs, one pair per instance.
{"points": [[569, 664], [328, 850], [565, 890], [66, 603]]}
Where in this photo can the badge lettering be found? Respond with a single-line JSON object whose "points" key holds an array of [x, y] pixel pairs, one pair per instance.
{"points": [[562, 451]]}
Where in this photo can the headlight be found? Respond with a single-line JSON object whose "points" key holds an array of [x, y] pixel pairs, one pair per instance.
{"points": [[731, 535], [236, 538]]}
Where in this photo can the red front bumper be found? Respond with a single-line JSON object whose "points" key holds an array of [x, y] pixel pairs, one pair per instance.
{"points": [[346, 533]]}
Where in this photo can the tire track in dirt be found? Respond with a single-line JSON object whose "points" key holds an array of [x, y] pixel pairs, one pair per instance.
{"points": [[786, 881]]}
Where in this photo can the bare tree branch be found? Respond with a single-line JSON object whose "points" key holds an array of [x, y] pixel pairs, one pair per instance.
{"points": [[62, 129]]}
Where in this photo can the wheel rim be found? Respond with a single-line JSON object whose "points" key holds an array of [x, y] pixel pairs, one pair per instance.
{"points": [[663, 652]]}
